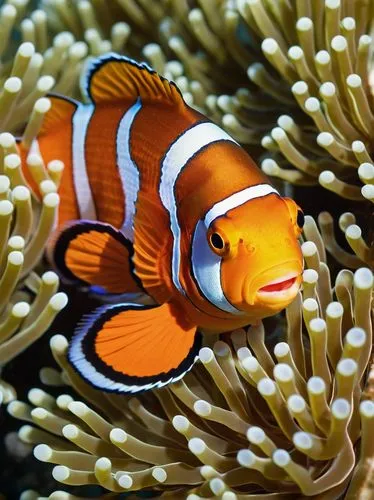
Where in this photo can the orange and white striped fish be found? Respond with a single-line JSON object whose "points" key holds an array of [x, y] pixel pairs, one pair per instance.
{"points": [[157, 199]]}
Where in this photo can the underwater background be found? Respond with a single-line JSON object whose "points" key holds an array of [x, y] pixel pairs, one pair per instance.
{"points": [[291, 81]]}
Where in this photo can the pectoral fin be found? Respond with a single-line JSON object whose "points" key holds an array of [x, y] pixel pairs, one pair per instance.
{"points": [[96, 254], [133, 348], [153, 246]]}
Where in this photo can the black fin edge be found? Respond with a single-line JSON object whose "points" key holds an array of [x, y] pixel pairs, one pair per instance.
{"points": [[85, 333], [95, 64], [80, 227]]}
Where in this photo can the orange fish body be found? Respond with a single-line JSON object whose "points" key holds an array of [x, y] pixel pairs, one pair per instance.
{"points": [[157, 199]]}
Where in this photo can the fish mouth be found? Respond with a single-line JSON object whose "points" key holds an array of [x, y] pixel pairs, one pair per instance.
{"points": [[278, 285], [281, 289]]}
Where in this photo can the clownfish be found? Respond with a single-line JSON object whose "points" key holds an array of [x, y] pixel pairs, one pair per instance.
{"points": [[156, 199]]}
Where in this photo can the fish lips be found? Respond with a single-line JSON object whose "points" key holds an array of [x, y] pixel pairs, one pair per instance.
{"points": [[276, 286], [282, 291]]}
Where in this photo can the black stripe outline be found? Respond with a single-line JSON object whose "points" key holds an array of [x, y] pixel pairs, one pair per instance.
{"points": [[193, 125], [85, 154], [78, 105], [192, 236], [130, 154]]}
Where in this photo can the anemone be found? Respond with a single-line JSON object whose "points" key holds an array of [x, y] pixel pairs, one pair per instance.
{"points": [[317, 65], [284, 413], [255, 418], [28, 296], [29, 300], [302, 66]]}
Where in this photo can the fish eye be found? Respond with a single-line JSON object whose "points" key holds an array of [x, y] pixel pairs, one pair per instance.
{"points": [[300, 219], [217, 241]]}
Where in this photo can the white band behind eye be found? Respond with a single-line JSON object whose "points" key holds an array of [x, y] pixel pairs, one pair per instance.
{"points": [[180, 152], [206, 267], [237, 199]]}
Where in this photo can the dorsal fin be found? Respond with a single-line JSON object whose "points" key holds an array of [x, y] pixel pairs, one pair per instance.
{"points": [[113, 77], [62, 109]]}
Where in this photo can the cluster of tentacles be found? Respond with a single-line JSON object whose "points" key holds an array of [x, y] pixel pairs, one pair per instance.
{"points": [[254, 417]]}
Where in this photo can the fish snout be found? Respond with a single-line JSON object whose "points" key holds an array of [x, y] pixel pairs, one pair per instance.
{"points": [[275, 286]]}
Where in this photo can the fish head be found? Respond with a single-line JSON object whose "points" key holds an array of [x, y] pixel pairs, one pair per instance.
{"points": [[261, 260]]}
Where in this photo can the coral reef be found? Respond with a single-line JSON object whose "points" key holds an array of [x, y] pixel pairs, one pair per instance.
{"points": [[251, 419]]}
